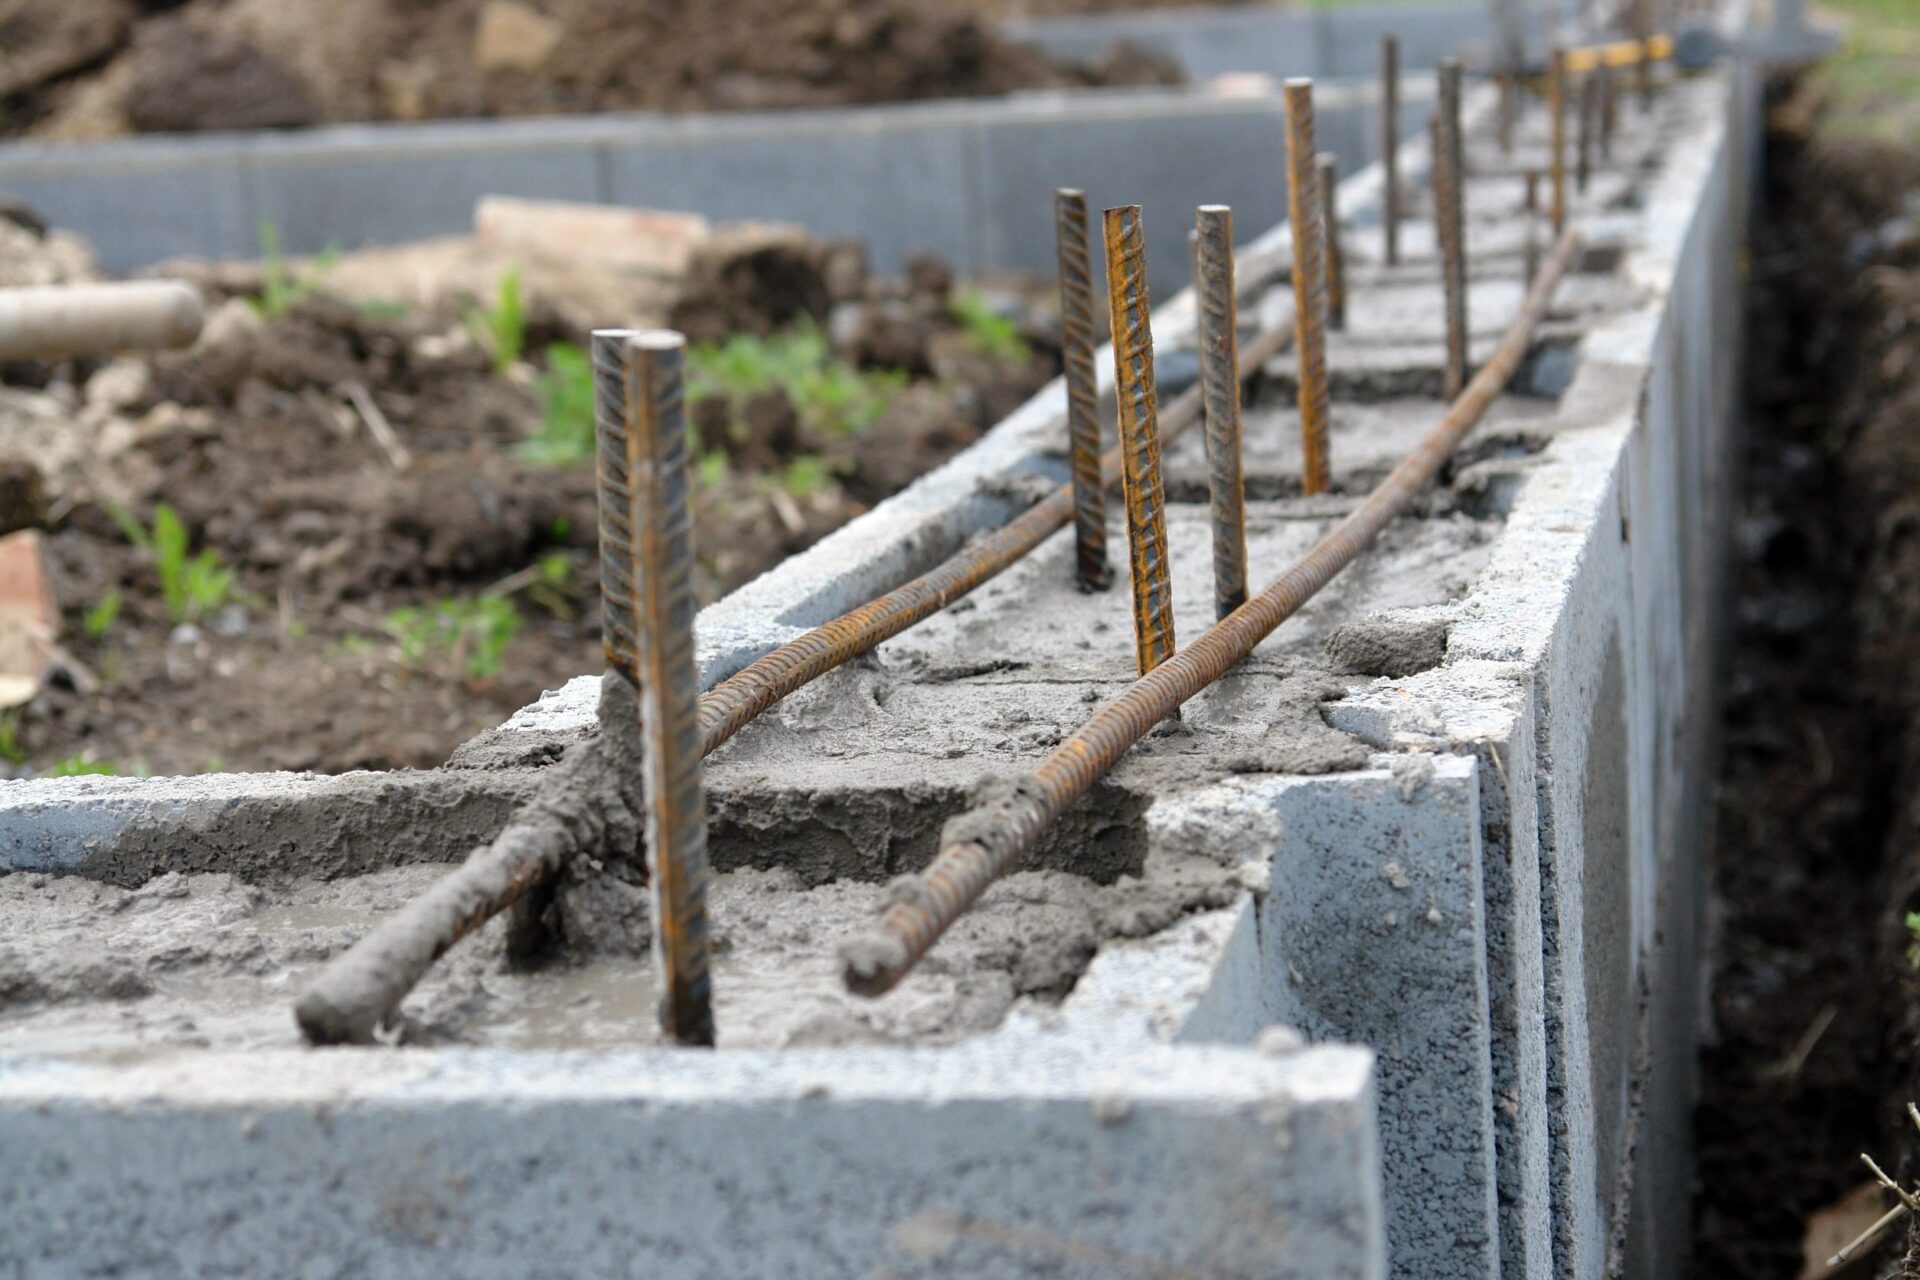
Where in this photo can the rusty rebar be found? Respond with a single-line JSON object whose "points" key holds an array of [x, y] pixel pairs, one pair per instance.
{"points": [[1327, 170], [986, 842], [1091, 569], [1557, 144], [732, 704], [1609, 110], [1129, 307], [1531, 205], [1504, 111], [1219, 345], [1449, 202], [1309, 287], [661, 520], [1586, 124], [1390, 147]]}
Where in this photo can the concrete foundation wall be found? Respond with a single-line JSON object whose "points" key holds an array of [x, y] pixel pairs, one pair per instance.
{"points": [[972, 181], [1501, 904]]}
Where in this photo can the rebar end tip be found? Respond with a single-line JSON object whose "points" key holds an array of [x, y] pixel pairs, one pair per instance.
{"points": [[872, 963]]}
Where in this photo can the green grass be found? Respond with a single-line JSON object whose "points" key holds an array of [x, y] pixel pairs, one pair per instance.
{"points": [[501, 330], [283, 289], [565, 389], [1873, 82], [830, 395], [988, 332], [192, 585], [467, 635], [81, 762], [100, 619]]}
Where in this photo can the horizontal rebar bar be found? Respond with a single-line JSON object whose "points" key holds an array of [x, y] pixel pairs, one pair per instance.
{"points": [[361, 989], [732, 704], [987, 841]]}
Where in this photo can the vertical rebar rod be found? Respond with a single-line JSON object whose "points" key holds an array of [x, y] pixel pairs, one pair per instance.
{"points": [[1091, 569], [1609, 111], [1557, 143], [1505, 111], [1129, 307], [1220, 396], [1449, 185], [619, 567], [660, 520], [1390, 147], [1532, 207], [1327, 169], [1643, 32], [1309, 287], [1586, 124]]}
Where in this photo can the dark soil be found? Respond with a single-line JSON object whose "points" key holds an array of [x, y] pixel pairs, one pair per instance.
{"points": [[1814, 1041], [99, 67], [248, 437]]}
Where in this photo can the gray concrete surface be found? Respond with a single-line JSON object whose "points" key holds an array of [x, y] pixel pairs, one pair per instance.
{"points": [[970, 180], [1487, 870]]}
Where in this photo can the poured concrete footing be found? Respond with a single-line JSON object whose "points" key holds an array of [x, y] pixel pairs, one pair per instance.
{"points": [[1453, 814]]}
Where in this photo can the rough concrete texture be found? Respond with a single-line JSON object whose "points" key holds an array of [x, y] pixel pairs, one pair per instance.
{"points": [[1476, 867], [1058, 1157]]}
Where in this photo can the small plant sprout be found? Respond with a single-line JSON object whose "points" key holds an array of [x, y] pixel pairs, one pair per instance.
{"points": [[281, 288], [501, 330], [79, 764], [1913, 939], [11, 749], [991, 334], [830, 395], [565, 388], [192, 585], [1907, 1201], [100, 618], [469, 635]]}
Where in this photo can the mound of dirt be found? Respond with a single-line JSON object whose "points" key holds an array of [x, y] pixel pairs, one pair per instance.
{"points": [[91, 68], [403, 570]]}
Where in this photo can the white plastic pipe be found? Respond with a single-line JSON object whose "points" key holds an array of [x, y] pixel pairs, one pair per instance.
{"points": [[65, 320]]}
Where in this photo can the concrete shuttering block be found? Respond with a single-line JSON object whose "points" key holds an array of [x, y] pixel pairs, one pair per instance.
{"points": [[1011, 1158], [1452, 812]]}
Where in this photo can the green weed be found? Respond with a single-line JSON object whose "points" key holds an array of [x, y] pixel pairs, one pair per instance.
{"points": [[80, 763], [470, 635], [192, 585], [12, 750], [100, 619], [282, 289], [987, 331], [808, 475], [831, 396], [501, 330], [1913, 939], [565, 389]]}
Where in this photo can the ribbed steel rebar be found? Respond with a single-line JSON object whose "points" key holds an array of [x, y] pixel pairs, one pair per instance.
{"points": [[1309, 287], [660, 517], [732, 704], [989, 840], [1219, 345], [1129, 308], [1327, 168], [1091, 569], [1586, 124], [1609, 111], [1557, 144], [1449, 202], [1390, 147], [1531, 205]]}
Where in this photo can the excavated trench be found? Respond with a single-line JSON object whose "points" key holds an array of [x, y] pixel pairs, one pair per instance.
{"points": [[1812, 1040]]}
